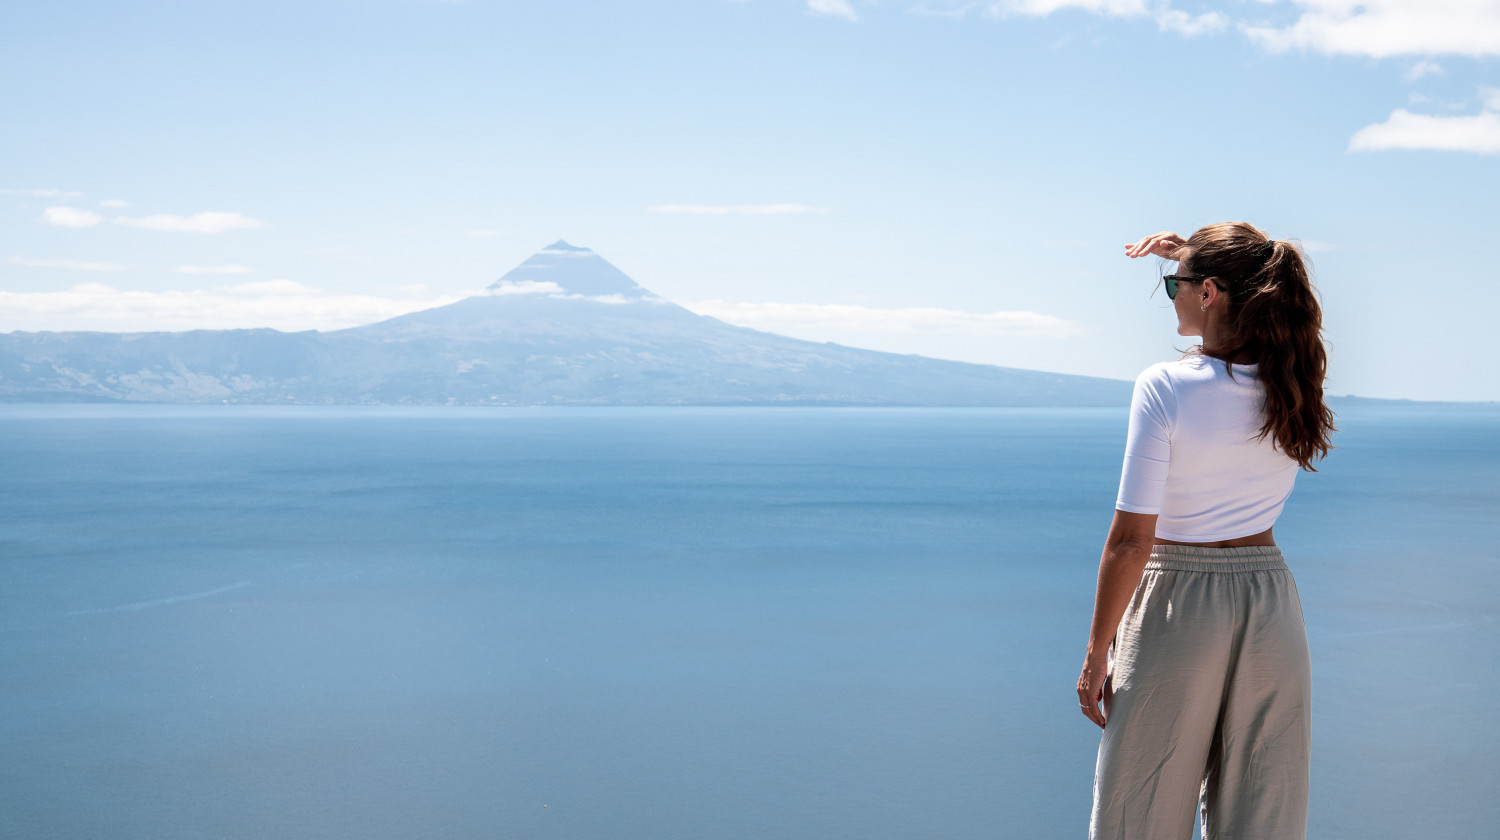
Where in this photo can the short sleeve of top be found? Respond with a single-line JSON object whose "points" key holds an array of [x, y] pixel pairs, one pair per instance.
{"points": [[1148, 443]]}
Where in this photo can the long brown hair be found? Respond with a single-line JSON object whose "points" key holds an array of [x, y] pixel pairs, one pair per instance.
{"points": [[1274, 320]]}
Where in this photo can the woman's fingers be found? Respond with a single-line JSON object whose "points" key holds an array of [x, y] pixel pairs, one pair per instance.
{"points": [[1090, 696], [1163, 244]]}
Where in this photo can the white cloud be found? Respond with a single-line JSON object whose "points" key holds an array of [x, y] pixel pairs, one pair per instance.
{"points": [[42, 193], [835, 8], [743, 209], [282, 305], [1479, 133], [811, 319], [76, 265], [70, 217], [1384, 28], [212, 222], [1490, 97], [115, 203], [214, 269]]}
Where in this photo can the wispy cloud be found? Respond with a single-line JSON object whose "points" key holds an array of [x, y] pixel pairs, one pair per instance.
{"points": [[279, 304], [1422, 69], [834, 8], [214, 269], [74, 265], [1384, 28], [114, 203], [71, 217], [210, 222], [740, 209], [955, 9], [486, 232], [41, 193], [1190, 26], [810, 319]]}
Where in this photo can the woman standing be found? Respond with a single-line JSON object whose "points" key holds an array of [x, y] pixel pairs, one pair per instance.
{"points": [[1197, 652]]}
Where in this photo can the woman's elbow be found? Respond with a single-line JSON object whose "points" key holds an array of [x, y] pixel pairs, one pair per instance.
{"points": [[1131, 533]]}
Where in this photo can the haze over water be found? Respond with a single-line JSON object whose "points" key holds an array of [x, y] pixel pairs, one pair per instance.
{"points": [[673, 623]]}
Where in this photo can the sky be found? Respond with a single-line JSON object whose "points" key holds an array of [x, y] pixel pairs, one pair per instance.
{"points": [[955, 179]]}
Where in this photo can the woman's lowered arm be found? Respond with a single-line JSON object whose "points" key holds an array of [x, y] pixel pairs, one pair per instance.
{"points": [[1126, 550]]}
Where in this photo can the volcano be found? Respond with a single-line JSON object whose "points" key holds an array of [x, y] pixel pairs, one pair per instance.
{"points": [[565, 327]]}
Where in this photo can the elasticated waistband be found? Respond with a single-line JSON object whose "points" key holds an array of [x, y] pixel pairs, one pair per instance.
{"points": [[1192, 558]]}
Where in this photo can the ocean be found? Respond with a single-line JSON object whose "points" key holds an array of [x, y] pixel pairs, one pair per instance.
{"points": [[674, 623]]}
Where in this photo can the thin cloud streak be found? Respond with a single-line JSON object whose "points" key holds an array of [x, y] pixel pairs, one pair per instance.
{"points": [[281, 305], [41, 193], [813, 318], [208, 222], [737, 209], [214, 269], [278, 304], [74, 265]]}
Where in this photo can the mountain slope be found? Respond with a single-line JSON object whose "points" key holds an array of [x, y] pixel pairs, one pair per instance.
{"points": [[564, 327]]}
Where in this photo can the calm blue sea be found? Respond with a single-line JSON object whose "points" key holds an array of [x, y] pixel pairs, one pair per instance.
{"points": [[580, 624]]}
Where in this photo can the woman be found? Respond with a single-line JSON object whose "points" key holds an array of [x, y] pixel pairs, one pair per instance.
{"points": [[1196, 665]]}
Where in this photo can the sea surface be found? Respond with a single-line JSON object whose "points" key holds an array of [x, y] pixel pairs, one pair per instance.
{"points": [[674, 623]]}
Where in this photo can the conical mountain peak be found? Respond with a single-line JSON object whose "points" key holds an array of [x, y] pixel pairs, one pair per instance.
{"points": [[573, 270]]}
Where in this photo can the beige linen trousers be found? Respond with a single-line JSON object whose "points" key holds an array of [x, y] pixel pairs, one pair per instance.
{"points": [[1208, 699]]}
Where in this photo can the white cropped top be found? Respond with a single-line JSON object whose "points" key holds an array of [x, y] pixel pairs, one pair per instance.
{"points": [[1192, 455]]}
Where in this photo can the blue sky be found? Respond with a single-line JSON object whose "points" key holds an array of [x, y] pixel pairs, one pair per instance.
{"points": [[955, 179]]}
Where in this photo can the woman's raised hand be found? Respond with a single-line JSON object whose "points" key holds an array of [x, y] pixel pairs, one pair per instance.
{"points": [[1163, 244]]}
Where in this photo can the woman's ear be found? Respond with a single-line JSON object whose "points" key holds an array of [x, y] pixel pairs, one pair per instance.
{"points": [[1210, 292]]}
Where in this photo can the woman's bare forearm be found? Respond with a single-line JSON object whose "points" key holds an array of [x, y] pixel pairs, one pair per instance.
{"points": [[1126, 552], [1120, 568]]}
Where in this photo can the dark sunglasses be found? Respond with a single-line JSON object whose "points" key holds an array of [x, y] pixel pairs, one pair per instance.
{"points": [[1171, 281]]}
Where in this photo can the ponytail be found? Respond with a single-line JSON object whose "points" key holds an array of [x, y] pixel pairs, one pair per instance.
{"points": [[1274, 319]]}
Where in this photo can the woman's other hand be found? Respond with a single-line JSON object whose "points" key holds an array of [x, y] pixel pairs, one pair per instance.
{"points": [[1091, 688], [1164, 244]]}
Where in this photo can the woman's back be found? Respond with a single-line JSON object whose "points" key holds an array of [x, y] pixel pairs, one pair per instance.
{"points": [[1195, 455]]}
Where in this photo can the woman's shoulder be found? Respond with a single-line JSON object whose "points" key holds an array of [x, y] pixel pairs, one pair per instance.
{"points": [[1175, 370]]}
